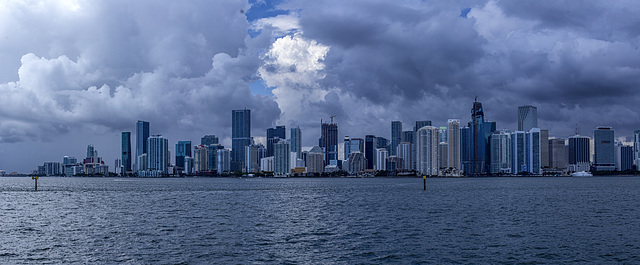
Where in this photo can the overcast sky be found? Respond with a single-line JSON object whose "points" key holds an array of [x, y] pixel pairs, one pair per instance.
{"points": [[75, 72]]}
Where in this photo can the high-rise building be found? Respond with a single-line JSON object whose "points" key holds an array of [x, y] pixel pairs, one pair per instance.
{"points": [[427, 148], [274, 135], [183, 149], [370, 142], [453, 143], [240, 137], [212, 157], [443, 155], [557, 154], [382, 142], [329, 141], [200, 159], [544, 148], [465, 149], [636, 149], [579, 153], [252, 160], [381, 157], [142, 134], [126, 152], [356, 163], [314, 161], [281, 158], [442, 134], [532, 138], [208, 140], [604, 153], [626, 158], [501, 153], [396, 136], [519, 151], [224, 161], [420, 124], [296, 141], [405, 151], [527, 118], [409, 137], [158, 154], [478, 141], [352, 145]]}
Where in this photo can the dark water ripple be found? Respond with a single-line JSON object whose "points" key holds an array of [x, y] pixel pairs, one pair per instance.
{"points": [[320, 221]]}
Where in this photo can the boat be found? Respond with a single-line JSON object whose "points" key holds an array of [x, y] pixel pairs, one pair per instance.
{"points": [[581, 174]]}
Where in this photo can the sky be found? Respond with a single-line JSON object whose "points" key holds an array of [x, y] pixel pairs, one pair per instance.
{"points": [[76, 72]]}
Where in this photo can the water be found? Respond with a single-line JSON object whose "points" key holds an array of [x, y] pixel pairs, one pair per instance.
{"points": [[320, 221]]}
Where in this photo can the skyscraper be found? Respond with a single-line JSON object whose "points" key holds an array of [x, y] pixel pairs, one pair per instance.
{"points": [[420, 124], [532, 138], [370, 142], [405, 151], [500, 153], [453, 143], [527, 118], [626, 158], [396, 136], [579, 152], [381, 158], [158, 155], [274, 135], [142, 134], [557, 154], [126, 152], [604, 153], [329, 141], [281, 158], [427, 148], [352, 145], [465, 149], [240, 137], [636, 148], [296, 141], [478, 140], [183, 149], [518, 149], [544, 148]]}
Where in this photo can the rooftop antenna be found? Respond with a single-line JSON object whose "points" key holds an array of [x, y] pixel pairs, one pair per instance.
{"points": [[332, 116]]}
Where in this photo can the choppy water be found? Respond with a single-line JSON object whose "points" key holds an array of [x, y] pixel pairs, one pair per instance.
{"points": [[348, 221]]}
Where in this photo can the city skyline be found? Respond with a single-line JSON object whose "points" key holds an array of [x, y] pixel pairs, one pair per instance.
{"points": [[76, 73]]}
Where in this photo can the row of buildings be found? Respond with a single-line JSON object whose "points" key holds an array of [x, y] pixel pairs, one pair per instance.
{"points": [[474, 148]]}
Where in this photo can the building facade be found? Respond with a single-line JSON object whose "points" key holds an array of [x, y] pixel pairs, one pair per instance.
{"points": [[240, 137], [527, 118], [427, 148]]}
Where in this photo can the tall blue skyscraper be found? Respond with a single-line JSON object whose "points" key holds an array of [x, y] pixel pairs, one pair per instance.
{"points": [[142, 134], [240, 137], [208, 140], [527, 118], [396, 136], [183, 149], [296, 141], [478, 140], [604, 152], [126, 152], [465, 149], [370, 142]]}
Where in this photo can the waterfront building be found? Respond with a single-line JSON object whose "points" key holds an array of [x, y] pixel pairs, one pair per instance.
{"points": [[501, 153], [544, 148], [626, 158], [453, 143], [212, 157], [209, 140], [200, 159], [604, 154], [315, 161], [352, 145], [240, 137], [478, 141], [394, 164], [396, 136], [382, 142], [281, 158], [527, 118], [183, 149], [420, 124], [142, 134], [266, 164], [69, 166], [557, 154], [636, 149], [427, 148], [465, 149], [126, 152], [188, 165], [51, 169], [443, 155], [381, 159], [118, 166], [157, 156], [579, 153], [224, 161], [356, 163], [518, 151], [370, 143], [274, 135], [329, 141], [532, 138], [252, 159], [405, 151], [296, 141]]}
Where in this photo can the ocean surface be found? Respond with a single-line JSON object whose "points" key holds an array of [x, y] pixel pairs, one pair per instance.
{"points": [[320, 221]]}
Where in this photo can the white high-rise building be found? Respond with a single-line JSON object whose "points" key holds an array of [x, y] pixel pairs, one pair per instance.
{"points": [[224, 161], [636, 148], [427, 151], [281, 158], [518, 152], [381, 158], [157, 156], [533, 154], [453, 143]]}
